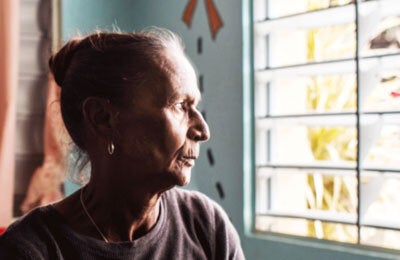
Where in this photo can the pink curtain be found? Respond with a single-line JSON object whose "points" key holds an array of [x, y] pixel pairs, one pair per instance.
{"points": [[9, 42]]}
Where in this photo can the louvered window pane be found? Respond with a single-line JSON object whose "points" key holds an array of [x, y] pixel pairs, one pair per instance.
{"points": [[384, 149], [327, 135], [279, 8], [382, 92], [308, 228], [380, 237], [303, 92]]}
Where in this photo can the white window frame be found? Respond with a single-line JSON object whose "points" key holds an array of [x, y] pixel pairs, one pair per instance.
{"points": [[384, 61]]}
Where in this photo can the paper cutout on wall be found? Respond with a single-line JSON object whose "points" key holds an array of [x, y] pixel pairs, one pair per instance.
{"points": [[214, 19]]}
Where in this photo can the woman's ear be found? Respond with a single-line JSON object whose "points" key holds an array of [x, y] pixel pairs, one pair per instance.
{"points": [[99, 116]]}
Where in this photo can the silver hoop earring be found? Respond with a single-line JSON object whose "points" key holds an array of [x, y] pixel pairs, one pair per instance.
{"points": [[110, 148]]}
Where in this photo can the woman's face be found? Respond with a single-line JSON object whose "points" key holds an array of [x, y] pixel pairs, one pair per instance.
{"points": [[160, 133]]}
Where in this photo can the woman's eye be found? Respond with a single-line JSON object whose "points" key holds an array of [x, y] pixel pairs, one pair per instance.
{"points": [[181, 105]]}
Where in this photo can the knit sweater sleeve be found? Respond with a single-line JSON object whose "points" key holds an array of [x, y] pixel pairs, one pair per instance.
{"points": [[25, 238], [11, 251], [227, 241], [220, 234]]}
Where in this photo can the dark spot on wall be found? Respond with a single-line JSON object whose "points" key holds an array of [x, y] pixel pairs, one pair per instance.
{"points": [[199, 45], [201, 81], [210, 156], [220, 190]]}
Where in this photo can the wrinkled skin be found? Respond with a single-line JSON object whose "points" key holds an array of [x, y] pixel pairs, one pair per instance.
{"points": [[162, 129]]}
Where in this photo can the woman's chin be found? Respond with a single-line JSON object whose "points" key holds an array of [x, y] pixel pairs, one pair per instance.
{"points": [[184, 177]]}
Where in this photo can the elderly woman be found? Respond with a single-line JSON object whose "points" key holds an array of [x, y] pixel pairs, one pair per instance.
{"points": [[128, 101]]}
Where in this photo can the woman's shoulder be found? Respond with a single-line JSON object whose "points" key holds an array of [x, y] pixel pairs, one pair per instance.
{"points": [[179, 195], [194, 201], [201, 215], [25, 231], [28, 221]]}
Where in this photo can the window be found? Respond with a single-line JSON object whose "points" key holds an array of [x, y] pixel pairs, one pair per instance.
{"points": [[327, 119]]}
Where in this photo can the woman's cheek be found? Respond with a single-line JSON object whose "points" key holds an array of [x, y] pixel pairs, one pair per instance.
{"points": [[175, 138]]}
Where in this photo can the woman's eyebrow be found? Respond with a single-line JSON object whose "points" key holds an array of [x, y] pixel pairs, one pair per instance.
{"points": [[173, 97], [195, 97]]}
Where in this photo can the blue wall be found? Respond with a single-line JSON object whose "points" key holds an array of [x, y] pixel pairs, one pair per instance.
{"points": [[221, 63]]}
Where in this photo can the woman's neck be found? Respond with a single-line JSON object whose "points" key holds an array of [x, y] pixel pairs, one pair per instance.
{"points": [[121, 214], [124, 204]]}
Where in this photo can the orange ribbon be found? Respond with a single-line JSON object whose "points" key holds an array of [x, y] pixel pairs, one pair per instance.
{"points": [[214, 19]]}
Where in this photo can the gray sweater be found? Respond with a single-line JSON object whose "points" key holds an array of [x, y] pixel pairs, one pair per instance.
{"points": [[190, 226]]}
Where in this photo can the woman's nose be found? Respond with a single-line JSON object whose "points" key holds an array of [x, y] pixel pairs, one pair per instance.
{"points": [[198, 130]]}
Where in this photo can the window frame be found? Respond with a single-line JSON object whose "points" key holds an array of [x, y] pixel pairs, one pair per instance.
{"points": [[249, 155]]}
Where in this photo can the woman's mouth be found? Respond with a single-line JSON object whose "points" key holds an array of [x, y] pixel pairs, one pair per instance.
{"points": [[188, 160]]}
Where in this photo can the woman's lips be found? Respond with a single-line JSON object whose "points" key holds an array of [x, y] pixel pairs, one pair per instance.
{"points": [[188, 161]]}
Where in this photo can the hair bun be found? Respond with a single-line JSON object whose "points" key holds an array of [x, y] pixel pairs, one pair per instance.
{"points": [[60, 62]]}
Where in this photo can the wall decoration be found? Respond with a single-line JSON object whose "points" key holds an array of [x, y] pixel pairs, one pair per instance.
{"points": [[210, 156], [220, 190], [214, 19]]}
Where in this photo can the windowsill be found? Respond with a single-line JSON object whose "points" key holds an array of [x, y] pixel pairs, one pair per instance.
{"points": [[338, 247]]}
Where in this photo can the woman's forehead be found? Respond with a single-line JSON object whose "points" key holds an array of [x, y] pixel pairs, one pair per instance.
{"points": [[173, 77], [175, 85], [180, 76]]}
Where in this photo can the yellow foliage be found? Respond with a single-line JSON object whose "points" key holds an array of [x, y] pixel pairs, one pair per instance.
{"points": [[331, 93]]}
